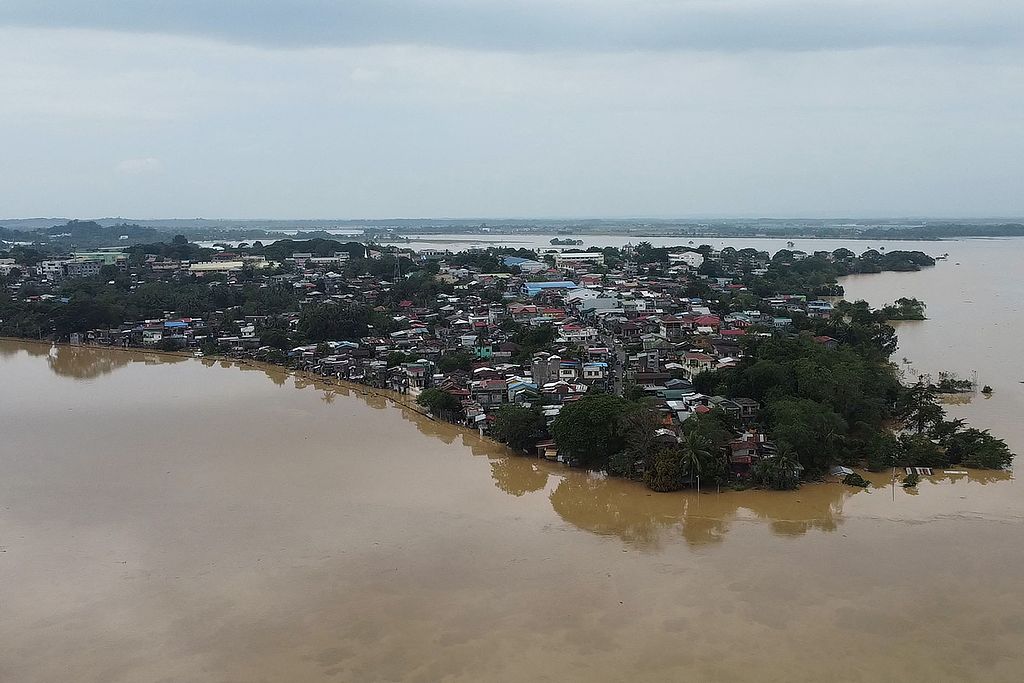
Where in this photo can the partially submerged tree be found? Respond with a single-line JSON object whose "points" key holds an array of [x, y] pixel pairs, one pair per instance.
{"points": [[518, 426], [439, 402], [587, 430], [780, 471]]}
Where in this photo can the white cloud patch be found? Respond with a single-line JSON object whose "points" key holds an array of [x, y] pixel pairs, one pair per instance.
{"points": [[143, 166]]}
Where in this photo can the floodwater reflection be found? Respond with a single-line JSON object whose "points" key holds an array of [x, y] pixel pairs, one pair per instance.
{"points": [[516, 479], [600, 505], [245, 532], [644, 519], [640, 518], [87, 362]]}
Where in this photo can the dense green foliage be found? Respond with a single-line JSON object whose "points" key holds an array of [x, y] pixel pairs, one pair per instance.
{"points": [[780, 472], [178, 248], [333, 322], [587, 430], [93, 303], [670, 467], [439, 402], [815, 274], [456, 360], [919, 408], [282, 249], [532, 339], [828, 406], [904, 309], [825, 405], [518, 426]]}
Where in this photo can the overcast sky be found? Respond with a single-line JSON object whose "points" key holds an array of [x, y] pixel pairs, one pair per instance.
{"points": [[494, 108]]}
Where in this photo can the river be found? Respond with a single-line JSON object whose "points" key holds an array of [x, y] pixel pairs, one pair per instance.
{"points": [[173, 519]]}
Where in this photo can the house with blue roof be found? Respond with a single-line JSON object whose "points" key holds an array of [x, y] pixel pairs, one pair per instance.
{"points": [[524, 264]]}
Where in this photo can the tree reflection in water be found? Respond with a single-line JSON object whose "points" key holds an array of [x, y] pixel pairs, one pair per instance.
{"points": [[10, 348], [439, 430], [85, 363], [592, 502], [641, 518], [518, 476]]}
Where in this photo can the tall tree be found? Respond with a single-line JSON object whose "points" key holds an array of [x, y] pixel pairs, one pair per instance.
{"points": [[587, 430], [518, 426]]}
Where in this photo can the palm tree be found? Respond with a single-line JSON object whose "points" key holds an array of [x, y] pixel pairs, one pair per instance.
{"points": [[694, 449], [780, 471]]}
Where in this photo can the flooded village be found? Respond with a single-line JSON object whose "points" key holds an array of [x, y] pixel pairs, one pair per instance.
{"points": [[163, 513], [502, 340]]}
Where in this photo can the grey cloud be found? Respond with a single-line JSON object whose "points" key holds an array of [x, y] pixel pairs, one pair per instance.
{"points": [[549, 25]]}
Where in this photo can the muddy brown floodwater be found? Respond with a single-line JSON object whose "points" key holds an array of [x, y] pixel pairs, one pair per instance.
{"points": [[166, 519]]}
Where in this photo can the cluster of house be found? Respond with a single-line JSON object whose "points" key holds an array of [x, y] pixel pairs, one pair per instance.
{"points": [[610, 331]]}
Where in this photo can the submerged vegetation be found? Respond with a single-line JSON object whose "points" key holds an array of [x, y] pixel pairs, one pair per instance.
{"points": [[855, 479], [904, 309]]}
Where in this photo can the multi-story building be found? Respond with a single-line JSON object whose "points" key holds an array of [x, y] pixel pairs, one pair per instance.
{"points": [[571, 259], [76, 268], [53, 269]]}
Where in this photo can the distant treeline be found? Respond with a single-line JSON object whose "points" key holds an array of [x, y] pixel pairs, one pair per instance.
{"points": [[91, 234], [949, 230]]}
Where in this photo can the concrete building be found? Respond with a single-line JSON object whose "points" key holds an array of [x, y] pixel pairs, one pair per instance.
{"points": [[215, 267], [572, 259]]}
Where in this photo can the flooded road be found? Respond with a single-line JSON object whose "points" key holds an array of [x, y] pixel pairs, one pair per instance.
{"points": [[185, 520]]}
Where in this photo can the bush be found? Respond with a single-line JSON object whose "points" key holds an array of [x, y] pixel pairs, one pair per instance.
{"points": [[884, 451], [855, 479], [665, 470], [170, 344], [978, 449], [780, 472], [921, 451], [438, 401], [518, 427]]}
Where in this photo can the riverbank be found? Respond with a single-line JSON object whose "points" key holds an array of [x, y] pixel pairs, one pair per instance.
{"points": [[406, 402]]}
